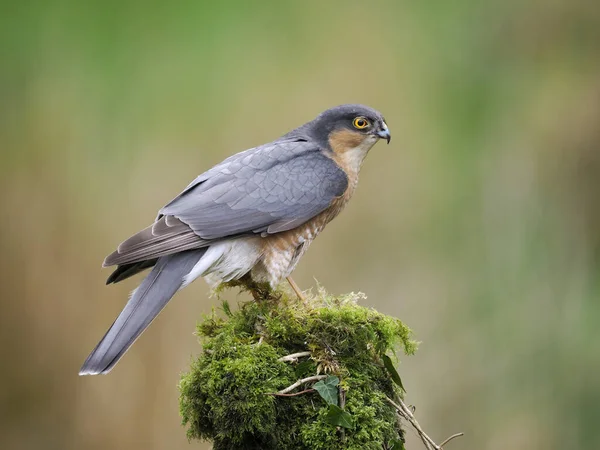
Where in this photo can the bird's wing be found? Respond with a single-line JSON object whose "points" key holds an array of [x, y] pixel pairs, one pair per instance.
{"points": [[264, 190], [271, 189]]}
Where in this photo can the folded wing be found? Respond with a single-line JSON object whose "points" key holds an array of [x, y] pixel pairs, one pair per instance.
{"points": [[264, 190]]}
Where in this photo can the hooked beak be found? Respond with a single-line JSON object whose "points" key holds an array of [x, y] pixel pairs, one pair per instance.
{"points": [[384, 133]]}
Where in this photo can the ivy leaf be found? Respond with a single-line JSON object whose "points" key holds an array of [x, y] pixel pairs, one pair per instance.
{"points": [[389, 365], [397, 444], [338, 417], [328, 389]]}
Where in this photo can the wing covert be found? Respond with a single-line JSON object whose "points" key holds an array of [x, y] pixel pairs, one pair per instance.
{"points": [[266, 190]]}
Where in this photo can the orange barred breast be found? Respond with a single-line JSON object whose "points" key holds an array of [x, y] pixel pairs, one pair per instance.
{"points": [[282, 251]]}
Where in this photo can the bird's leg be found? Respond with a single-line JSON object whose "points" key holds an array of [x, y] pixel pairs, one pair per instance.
{"points": [[296, 289]]}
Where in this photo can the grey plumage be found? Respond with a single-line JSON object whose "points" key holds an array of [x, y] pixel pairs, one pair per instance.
{"points": [[144, 305], [275, 188], [264, 190]]}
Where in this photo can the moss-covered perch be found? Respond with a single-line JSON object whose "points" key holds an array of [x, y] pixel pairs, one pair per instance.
{"points": [[268, 376]]}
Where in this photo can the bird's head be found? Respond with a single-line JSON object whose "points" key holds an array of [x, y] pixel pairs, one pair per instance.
{"points": [[349, 129]]}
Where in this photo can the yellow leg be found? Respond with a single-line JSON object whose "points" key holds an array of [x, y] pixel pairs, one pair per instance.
{"points": [[296, 289]]}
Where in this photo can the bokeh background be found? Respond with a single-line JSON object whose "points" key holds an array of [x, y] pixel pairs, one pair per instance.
{"points": [[479, 225]]}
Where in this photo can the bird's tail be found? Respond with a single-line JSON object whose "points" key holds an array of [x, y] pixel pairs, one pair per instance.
{"points": [[155, 291]]}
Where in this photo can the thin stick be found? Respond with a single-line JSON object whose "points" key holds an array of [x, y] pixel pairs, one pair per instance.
{"points": [[450, 438], [296, 289], [293, 356], [302, 381], [407, 414], [277, 394]]}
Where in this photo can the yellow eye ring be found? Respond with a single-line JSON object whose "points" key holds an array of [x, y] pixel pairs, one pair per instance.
{"points": [[360, 123]]}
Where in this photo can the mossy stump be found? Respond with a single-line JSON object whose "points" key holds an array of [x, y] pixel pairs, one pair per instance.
{"points": [[232, 396]]}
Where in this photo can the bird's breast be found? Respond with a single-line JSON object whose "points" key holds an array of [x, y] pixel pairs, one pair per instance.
{"points": [[282, 251]]}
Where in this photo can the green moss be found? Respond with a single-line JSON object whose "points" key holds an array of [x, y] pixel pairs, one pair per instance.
{"points": [[225, 395]]}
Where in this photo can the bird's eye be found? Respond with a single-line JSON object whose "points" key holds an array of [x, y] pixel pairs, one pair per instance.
{"points": [[360, 123]]}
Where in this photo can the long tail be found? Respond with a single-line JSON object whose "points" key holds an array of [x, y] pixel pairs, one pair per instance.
{"points": [[165, 279]]}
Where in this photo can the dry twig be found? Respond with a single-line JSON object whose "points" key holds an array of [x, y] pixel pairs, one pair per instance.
{"points": [[451, 437], [294, 356], [405, 412], [277, 394], [302, 381]]}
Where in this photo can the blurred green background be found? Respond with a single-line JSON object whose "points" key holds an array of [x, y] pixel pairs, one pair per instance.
{"points": [[479, 225]]}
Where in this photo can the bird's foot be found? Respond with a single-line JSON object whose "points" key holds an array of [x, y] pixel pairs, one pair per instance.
{"points": [[260, 291], [297, 290]]}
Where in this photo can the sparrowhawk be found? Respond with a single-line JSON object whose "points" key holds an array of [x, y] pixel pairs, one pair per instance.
{"points": [[254, 214]]}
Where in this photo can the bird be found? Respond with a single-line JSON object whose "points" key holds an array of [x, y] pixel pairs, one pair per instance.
{"points": [[253, 215]]}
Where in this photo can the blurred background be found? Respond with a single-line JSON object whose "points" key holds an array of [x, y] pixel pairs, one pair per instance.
{"points": [[479, 225]]}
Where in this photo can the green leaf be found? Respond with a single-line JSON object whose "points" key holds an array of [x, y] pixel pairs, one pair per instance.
{"points": [[387, 362], [328, 389], [338, 417], [397, 444]]}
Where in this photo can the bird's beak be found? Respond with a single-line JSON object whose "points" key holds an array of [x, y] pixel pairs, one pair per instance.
{"points": [[384, 133]]}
